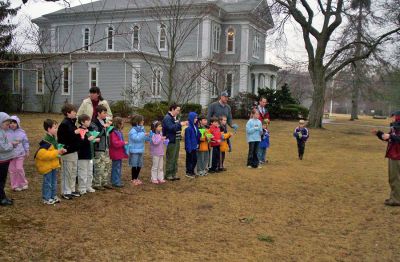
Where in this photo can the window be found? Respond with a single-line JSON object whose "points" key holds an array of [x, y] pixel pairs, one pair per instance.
{"points": [[230, 41], [86, 39], [256, 46], [93, 75], [134, 92], [216, 38], [135, 37], [110, 38], [66, 80], [214, 84], [16, 82], [156, 83], [162, 36], [229, 83], [39, 81]]}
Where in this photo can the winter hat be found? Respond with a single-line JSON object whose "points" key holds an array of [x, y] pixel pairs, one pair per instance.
{"points": [[16, 119], [4, 117]]}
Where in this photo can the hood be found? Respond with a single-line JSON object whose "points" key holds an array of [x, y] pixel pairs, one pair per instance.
{"points": [[4, 117], [16, 119], [191, 117]]}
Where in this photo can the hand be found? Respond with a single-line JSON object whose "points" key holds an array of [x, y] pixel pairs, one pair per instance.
{"points": [[62, 151], [235, 127], [97, 140], [27, 154], [184, 123], [385, 136], [146, 134], [77, 131], [15, 143], [107, 124], [126, 143], [164, 137], [91, 138]]}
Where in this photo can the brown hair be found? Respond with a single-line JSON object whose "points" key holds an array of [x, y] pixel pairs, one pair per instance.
{"points": [[83, 118], [101, 108], [253, 112], [49, 123], [154, 125], [117, 122], [213, 119], [136, 120], [67, 108]]}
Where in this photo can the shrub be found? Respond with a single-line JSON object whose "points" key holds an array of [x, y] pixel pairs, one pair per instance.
{"points": [[121, 108], [302, 111], [242, 104]]}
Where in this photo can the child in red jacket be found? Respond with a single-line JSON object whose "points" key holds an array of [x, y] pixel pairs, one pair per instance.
{"points": [[215, 143], [117, 151]]}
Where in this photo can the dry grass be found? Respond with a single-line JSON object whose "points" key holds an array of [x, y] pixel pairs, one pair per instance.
{"points": [[328, 207]]}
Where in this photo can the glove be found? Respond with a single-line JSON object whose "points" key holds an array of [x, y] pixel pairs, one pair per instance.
{"points": [[235, 127]]}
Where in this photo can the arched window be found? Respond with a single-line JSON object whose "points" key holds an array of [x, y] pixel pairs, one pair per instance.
{"points": [[110, 38], [86, 39], [230, 40], [162, 36], [135, 37]]}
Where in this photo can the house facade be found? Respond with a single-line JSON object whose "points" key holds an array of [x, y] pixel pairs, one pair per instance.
{"points": [[148, 50]]}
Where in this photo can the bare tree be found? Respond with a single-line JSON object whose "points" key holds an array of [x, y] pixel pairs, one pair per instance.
{"points": [[322, 66]]}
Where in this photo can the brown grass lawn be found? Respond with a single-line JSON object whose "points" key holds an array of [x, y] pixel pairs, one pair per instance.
{"points": [[328, 207]]}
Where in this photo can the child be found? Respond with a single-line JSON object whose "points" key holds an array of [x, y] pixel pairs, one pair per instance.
{"points": [[117, 151], [85, 156], [157, 143], [21, 152], [225, 142], [393, 154], [202, 153], [102, 162], [215, 143], [137, 138], [264, 144], [301, 134], [253, 134], [68, 135], [192, 139], [6, 154], [47, 162]]}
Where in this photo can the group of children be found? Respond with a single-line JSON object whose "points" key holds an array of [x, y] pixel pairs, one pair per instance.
{"points": [[90, 150]]}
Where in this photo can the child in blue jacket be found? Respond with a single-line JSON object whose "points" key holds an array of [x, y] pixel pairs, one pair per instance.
{"points": [[192, 140], [264, 144], [137, 138], [253, 134], [301, 134]]}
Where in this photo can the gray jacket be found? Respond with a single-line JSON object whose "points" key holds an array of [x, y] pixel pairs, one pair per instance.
{"points": [[217, 109], [6, 148]]}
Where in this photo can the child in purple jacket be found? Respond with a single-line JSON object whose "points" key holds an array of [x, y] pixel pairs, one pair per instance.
{"points": [[157, 144], [16, 169]]}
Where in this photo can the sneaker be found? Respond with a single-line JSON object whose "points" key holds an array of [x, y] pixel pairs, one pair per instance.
{"points": [[176, 178], [169, 178], [18, 189], [155, 182], [136, 182], [25, 187], [189, 175], [161, 181], [49, 202], [118, 186], [56, 199], [90, 190], [108, 187], [82, 192], [67, 196], [75, 194], [248, 166], [6, 202], [100, 188], [259, 167]]}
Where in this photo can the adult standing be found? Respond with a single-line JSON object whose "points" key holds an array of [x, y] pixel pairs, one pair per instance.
{"points": [[221, 108], [172, 128], [89, 104], [262, 109]]}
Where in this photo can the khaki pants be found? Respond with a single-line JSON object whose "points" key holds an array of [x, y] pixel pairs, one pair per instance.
{"points": [[69, 173], [394, 179], [85, 174], [102, 168]]}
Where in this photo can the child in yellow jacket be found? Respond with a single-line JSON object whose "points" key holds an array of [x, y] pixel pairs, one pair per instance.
{"points": [[47, 162], [224, 145], [203, 151]]}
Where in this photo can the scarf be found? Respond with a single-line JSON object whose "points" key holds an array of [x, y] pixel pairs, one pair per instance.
{"points": [[52, 140]]}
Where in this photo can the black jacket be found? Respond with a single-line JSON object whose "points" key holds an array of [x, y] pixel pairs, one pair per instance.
{"points": [[66, 135], [102, 145], [86, 149]]}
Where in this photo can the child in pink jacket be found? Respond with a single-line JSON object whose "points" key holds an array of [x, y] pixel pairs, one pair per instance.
{"points": [[117, 151], [16, 169], [157, 145]]}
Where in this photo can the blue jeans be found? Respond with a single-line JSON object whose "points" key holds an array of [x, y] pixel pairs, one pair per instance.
{"points": [[261, 153], [49, 188], [116, 172]]}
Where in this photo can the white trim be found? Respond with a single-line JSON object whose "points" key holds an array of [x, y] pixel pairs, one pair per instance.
{"points": [[19, 82], [159, 37], [256, 46], [216, 38], [233, 40], [132, 39], [206, 38], [97, 67], [112, 37], [232, 81], [39, 69], [63, 67], [83, 39]]}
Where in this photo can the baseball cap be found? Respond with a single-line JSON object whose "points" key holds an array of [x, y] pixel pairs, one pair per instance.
{"points": [[225, 93]]}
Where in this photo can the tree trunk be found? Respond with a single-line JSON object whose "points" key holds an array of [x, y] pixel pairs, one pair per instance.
{"points": [[318, 100]]}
